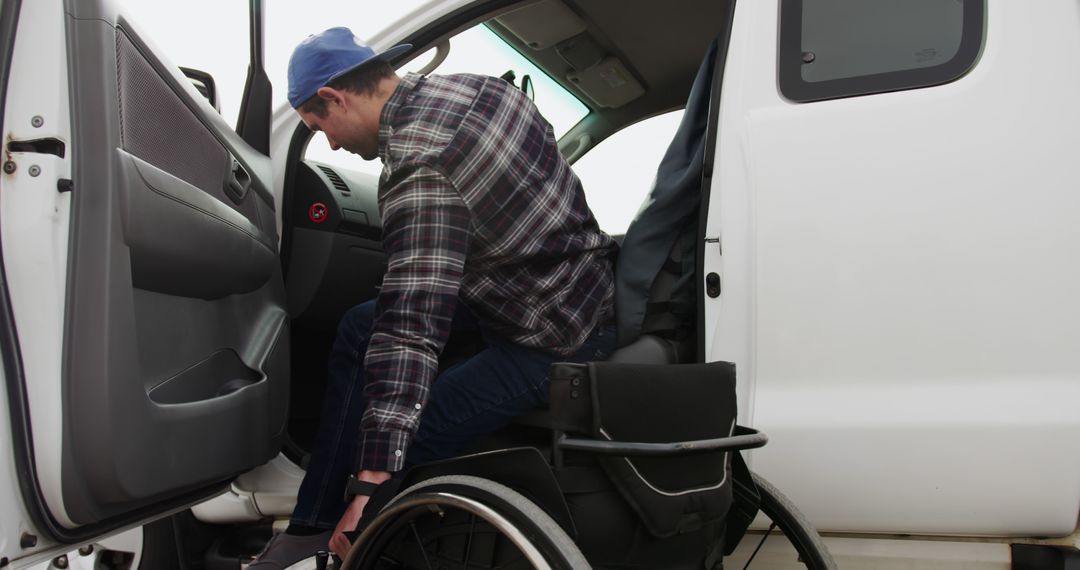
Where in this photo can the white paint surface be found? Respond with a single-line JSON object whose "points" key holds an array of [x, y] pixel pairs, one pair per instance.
{"points": [[34, 221], [900, 284]]}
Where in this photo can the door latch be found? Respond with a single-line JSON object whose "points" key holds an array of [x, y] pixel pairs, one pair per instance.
{"points": [[712, 280], [47, 145], [39, 146]]}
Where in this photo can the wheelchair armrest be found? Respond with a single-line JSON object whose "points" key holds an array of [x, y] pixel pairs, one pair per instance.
{"points": [[745, 438]]}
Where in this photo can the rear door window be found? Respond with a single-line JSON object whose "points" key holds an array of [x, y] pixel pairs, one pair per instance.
{"points": [[839, 48], [172, 29]]}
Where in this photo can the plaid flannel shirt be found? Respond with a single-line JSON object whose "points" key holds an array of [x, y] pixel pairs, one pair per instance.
{"points": [[477, 204]]}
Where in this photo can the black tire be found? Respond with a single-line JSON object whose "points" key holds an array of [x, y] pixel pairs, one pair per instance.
{"points": [[457, 519], [796, 528]]}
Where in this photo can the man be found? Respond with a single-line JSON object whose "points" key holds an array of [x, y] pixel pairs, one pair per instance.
{"points": [[485, 227]]}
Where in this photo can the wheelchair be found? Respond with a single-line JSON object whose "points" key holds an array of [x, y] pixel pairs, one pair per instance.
{"points": [[636, 463], [632, 466]]}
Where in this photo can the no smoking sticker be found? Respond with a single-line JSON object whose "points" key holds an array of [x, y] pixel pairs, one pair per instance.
{"points": [[318, 212]]}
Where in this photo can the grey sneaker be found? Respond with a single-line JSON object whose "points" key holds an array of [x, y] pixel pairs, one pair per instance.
{"points": [[284, 550]]}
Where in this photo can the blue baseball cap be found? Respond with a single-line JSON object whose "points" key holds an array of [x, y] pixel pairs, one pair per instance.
{"points": [[324, 57]]}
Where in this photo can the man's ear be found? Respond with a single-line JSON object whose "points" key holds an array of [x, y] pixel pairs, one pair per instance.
{"points": [[331, 95]]}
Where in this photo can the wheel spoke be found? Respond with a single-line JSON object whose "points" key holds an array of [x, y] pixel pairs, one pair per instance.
{"points": [[760, 544], [420, 544], [468, 542], [451, 517]]}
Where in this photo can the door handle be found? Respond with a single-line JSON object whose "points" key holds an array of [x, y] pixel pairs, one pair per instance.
{"points": [[237, 182]]}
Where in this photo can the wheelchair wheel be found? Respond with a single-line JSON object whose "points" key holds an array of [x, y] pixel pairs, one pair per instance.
{"points": [[790, 541], [463, 522]]}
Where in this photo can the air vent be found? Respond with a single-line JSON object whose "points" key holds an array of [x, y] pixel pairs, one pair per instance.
{"points": [[335, 179]]}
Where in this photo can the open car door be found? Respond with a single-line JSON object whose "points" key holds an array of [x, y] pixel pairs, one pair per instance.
{"points": [[145, 338]]}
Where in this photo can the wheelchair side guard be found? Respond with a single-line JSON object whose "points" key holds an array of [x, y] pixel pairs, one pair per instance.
{"points": [[522, 469], [574, 403], [680, 419]]}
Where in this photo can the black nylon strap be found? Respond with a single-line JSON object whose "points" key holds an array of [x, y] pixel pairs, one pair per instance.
{"points": [[354, 487]]}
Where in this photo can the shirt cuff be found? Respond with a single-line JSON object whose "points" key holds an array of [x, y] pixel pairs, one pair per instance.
{"points": [[383, 450]]}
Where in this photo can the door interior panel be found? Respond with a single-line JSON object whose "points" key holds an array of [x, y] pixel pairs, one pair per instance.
{"points": [[217, 240], [176, 347]]}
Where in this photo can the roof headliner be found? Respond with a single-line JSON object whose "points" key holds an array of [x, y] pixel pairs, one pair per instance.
{"points": [[661, 43]]}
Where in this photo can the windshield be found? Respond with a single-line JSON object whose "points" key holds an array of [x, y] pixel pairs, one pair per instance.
{"points": [[479, 50]]}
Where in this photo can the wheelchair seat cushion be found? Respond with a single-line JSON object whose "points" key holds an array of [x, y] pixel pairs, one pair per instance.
{"points": [[656, 404]]}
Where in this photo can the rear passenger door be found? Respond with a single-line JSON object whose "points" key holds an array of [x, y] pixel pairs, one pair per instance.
{"points": [[899, 284], [152, 342]]}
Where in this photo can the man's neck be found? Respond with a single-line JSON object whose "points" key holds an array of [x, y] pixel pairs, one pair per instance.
{"points": [[382, 95], [387, 88]]}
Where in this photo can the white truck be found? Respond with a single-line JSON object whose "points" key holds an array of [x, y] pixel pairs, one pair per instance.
{"points": [[887, 249]]}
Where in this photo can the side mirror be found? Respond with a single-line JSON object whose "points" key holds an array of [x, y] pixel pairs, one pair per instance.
{"points": [[204, 83]]}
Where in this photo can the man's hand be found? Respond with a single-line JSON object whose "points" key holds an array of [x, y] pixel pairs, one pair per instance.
{"points": [[338, 542]]}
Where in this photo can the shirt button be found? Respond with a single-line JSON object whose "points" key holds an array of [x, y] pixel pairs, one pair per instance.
{"points": [[418, 406], [397, 453]]}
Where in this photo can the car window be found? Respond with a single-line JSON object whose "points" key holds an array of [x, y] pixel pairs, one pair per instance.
{"points": [[839, 48], [476, 50], [175, 28], [618, 173], [224, 54], [479, 50], [288, 23]]}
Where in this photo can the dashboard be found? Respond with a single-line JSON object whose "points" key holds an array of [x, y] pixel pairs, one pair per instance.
{"points": [[333, 254]]}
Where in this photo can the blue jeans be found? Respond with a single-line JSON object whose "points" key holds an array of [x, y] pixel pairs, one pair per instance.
{"points": [[467, 401]]}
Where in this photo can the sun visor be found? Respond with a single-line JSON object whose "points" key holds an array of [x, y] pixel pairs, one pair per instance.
{"points": [[543, 24], [580, 52], [608, 83]]}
